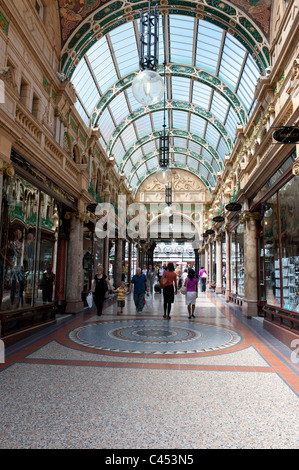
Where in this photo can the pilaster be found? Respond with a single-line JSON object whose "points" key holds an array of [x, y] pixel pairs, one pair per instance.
{"points": [[74, 285], [249, 304]]}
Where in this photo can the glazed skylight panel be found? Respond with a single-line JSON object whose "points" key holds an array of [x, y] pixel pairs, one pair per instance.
{"points": [[106, 125], [179, 142], [179, 158], [201, 94], [143, 126], [152, 163], [248, 81], [119, 108], [136, 157], [208, 45], [134, 181], [231, 122], [158, 120], [192, 163], [181, 39], [180, 119], [150, 147], [118, 151], [180, 88], [197, 125], [82, 112], [219, 107], [196, 148], [90, 97], [85, 86], [222, 148], [212, 135], [102, 63], [129, 136], [232, 61], [125, 48], [132, 101], [203, 171]]}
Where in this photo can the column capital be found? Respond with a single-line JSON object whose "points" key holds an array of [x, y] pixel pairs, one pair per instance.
{"points": [[247, 215], [295, 168], [6, 168]]}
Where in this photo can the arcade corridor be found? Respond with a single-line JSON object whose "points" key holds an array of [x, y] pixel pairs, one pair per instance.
{"points": [[137, 381]]}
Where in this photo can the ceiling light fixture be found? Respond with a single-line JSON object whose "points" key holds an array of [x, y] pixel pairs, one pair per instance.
{"points": [[148, 86]]}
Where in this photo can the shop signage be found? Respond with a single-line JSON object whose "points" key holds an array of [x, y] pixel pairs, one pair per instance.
{"points": [[286, 134], [233, 207], [218, 218]]}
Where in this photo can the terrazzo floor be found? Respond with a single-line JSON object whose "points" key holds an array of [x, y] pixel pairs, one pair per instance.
{"points": [[138, 381]]}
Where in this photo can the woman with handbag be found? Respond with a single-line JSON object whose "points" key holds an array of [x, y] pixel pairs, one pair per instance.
{"points": [[169, 285], [191, 283], [100, 289]]}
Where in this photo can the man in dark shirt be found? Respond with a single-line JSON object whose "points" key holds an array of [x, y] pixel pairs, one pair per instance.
{"points": [[140, 286]]}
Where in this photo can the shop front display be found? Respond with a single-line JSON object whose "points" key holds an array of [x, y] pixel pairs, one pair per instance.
{"points": [[281, 246], [28, 244], [237, 261]]}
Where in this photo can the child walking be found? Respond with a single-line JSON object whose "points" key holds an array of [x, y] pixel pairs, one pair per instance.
{"points": [[121, 293]]}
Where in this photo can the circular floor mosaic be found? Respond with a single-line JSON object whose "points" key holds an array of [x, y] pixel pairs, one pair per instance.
{"points": [[154, 337]]}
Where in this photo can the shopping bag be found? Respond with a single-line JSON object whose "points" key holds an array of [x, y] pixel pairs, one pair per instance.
{"points": [[148, 302], [89, 299]]}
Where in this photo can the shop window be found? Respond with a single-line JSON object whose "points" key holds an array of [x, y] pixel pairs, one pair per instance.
{"points": [[233, 263], [28, 243], [240, 259], [289, 222], [271, 252], [223, 254]]}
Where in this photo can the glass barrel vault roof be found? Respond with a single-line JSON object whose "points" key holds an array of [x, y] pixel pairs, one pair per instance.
{"points": [[201, 114]]}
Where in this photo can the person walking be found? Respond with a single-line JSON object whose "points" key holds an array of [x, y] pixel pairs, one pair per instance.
{"points": [[140, 287], [191, 283], [170, 289], [184, 275], [47, 284], [203, 278], [150, 277], [121, 293], [99, 288]]}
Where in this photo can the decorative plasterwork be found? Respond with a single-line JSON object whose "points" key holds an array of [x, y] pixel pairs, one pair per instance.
{"points": [[84, 22], [175, 105], [178, 166], [176, 70]]}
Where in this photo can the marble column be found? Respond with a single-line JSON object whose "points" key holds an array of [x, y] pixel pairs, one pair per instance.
{"points": [[74, 282], [210, 262], [249, 304], [206, 259], [218, 289], [61, 266], [196, 261], [118, 262], [130, 259], [228, 265]]}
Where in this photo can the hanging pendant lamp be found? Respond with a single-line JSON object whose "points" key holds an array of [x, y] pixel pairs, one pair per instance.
{"points": [[148, 86]]}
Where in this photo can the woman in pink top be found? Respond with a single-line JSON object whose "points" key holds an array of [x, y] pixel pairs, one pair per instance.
{"points": [[192, 283]]}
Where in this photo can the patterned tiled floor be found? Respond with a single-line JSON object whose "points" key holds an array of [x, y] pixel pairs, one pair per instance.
{"points": [[138, 381]]}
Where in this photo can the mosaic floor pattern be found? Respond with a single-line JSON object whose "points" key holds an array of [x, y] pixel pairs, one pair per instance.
{"points": [[154, 337]]}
